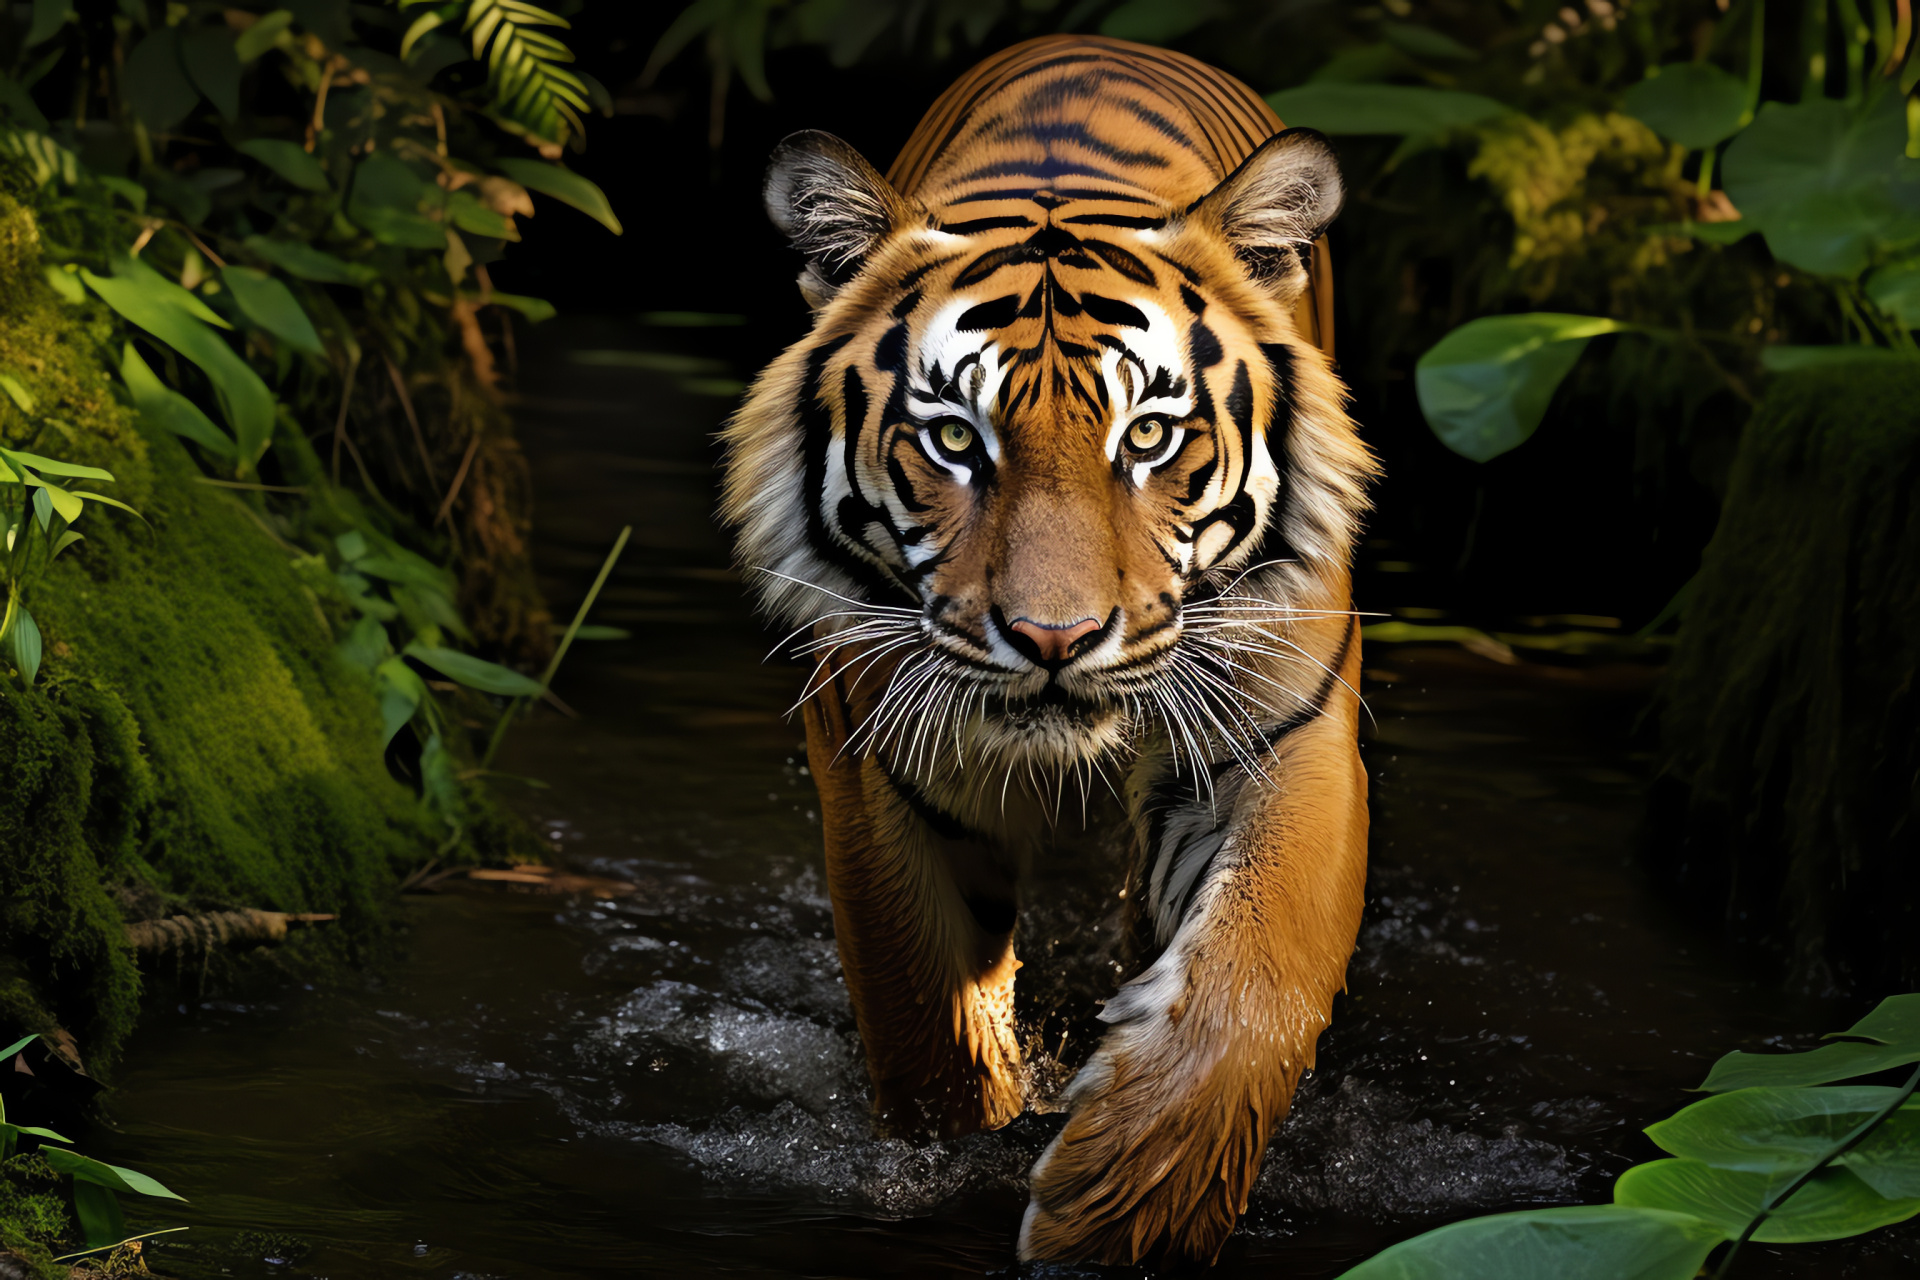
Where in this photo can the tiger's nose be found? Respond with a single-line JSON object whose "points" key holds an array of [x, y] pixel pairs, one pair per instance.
{"points": [[1054, 641]]}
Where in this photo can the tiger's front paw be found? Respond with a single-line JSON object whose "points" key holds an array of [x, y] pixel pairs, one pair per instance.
{"points": [[1170, 1120]]}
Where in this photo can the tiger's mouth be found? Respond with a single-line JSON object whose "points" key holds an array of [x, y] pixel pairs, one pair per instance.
{"points": [[1054, 711]]}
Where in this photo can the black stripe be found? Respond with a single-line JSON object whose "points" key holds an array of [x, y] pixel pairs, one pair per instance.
{"points": [[1138, 222], [985, 224]]}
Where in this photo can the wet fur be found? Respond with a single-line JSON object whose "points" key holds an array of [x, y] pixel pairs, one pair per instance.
{"points": [[1165, 268]]}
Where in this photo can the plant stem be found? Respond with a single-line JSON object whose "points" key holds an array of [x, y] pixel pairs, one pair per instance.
{"points": [[1839, 1149], [559, 653]]}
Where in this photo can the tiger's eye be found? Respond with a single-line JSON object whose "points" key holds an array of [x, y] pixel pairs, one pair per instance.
{"points": [[956, 437], [1146, 435]]}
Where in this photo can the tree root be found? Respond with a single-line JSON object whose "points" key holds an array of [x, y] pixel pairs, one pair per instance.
{"points": [[244, 928]]}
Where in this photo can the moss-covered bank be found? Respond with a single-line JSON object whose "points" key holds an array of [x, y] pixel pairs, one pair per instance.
{"points": [[1791, 712], [193, 740]]}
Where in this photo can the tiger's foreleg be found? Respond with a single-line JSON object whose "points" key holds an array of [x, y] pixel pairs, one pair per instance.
{"points": [[924, 921], [1172, 1114]]}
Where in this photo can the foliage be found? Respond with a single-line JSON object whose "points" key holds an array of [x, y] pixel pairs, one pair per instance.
{"points": [[1772, 1156]]}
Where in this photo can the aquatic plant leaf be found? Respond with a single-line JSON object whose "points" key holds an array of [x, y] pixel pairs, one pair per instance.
{"points": [[26, 644], [476, 673], [288, 159], [169, 410], [262, 35], [1765, 1130], [1826, 182], [1395, 109], [1893, 1026], [308, 263], [1695, 104], [1586, 1242], [271, 305], [1894, 1021], [244, 398], [1834, 1205], [563, 185], [154, 81], [207, 53], [1485, 387]]}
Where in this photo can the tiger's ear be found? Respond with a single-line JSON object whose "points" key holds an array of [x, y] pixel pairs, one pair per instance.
{"points": [[1273, 207], [833, 206]]}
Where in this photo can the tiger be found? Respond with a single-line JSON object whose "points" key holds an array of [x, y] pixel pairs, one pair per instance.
{"points": [[1061, 479]]}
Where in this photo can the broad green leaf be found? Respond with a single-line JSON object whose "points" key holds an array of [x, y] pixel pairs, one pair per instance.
{"points": [[50, 1135], [244, 398], [1894, 1021], [271, 305], [42, 503], [1783, 358], [288, 159], [440, 777], [404, 567], [167, 409], [1765, 1130], [22, 399], [166, 291], [66, 504], [1835, 1205], [308, 263], [1586, 1242], [401, 693], [466, 212], [351, 545], [475, 673], [64, 541], [55, 468], [154, 81], [65, 283], [386, 200], [563, 185], [1695, 104], [1485, 387], [1395, 109], [1827, 182], [24, 639], [87, 1169], [101, 1222], [262, 35], [48, 17], [1895, 289], [1157, 21], [208, 55]]}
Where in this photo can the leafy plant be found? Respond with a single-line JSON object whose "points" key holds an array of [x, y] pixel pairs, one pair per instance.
{"points": [[1781, 1153], [38, 515], [96, 1185]]}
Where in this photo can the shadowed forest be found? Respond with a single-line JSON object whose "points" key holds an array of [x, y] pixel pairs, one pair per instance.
{"points": [[409, 856]]}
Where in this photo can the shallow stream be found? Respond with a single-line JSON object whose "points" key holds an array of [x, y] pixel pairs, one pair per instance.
{"points": [[669, 1083]]}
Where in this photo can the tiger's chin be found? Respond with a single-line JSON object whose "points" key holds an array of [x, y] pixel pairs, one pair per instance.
{"points": [[1050, 730]]}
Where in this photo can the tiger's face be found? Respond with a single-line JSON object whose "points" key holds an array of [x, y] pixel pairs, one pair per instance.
{"points": [[1020, 456]]}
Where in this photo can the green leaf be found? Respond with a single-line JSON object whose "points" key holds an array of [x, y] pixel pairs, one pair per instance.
{"points": [[244, 398], [563, 185], [6, 1054], [1894, 1021], [167, 291], [420, 26], [1827, 182], [262, 35], [466, 212], [48, 1134], [65, 283], [1425, 42], [271, 305], [352, 545], [22, 399], [440, 778], [1895, 289], [475, 673], [1784, 358], [25, 638], [207, 52], [167, 409], [53, 467], [1396, 109], [1695, 104], [48, 17], [1157, 21], [155, 81], [1485, 387], [308, 263], [105, 500], [595, 632], [1768, 1130], [86, 1169], [101, 1222], [64, 541], [1587, 1242], [534, 309], [386, 199], [401, 693], [66, 504], [1835, 1205], [365, 646], [288, 159]]}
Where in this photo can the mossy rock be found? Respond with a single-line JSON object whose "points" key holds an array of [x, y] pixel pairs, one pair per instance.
{"points": [[193, 740], [1791, 711]]}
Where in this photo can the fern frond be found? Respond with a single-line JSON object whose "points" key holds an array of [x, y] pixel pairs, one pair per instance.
{"points": [[531, 87]]}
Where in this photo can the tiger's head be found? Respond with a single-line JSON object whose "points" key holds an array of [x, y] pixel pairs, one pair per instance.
{"points": [[1037, 465]]}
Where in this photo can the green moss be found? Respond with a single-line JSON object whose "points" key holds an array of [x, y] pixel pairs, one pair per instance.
{"points": [[34, 1220], [1791, 708], [193, 739]]}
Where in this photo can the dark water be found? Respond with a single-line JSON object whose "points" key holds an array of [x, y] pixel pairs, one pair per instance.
{"points": [[669, 1084]]}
